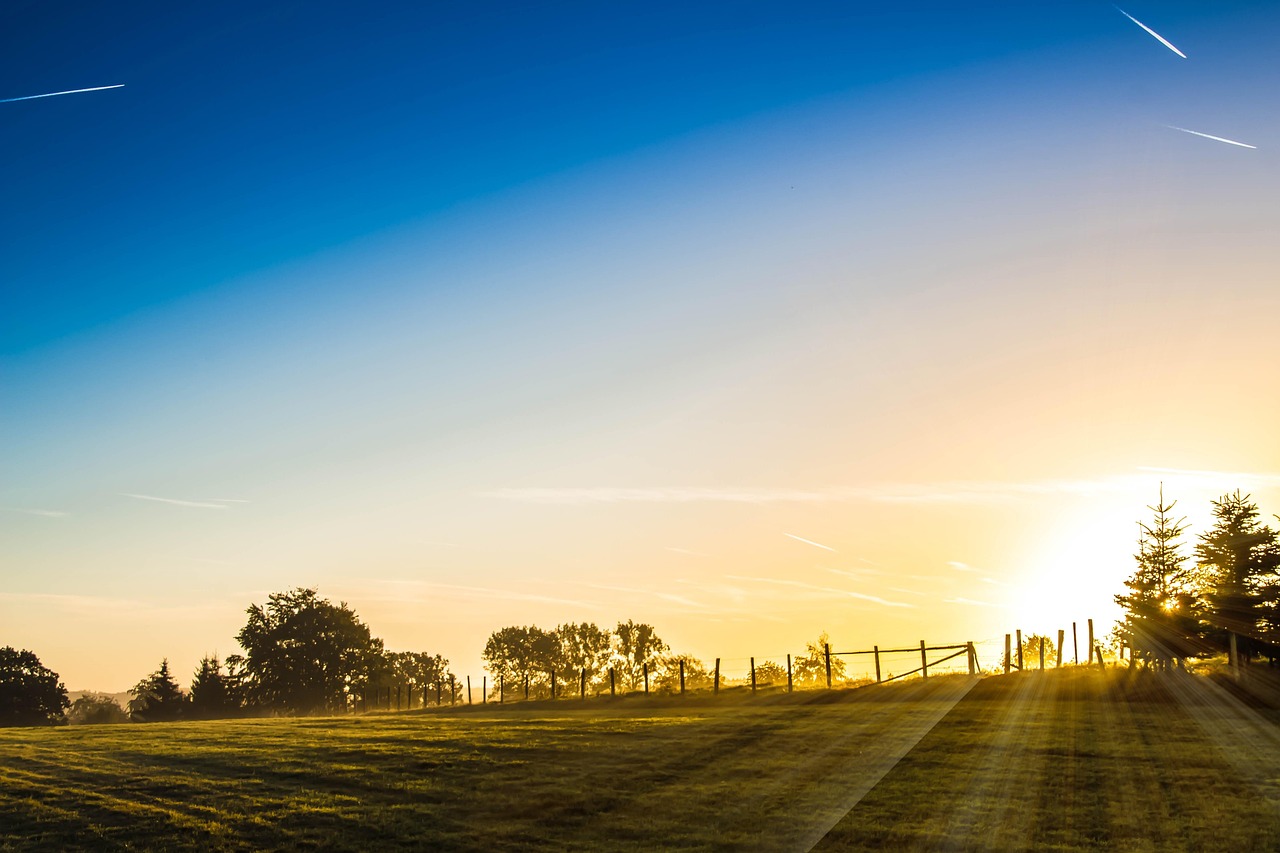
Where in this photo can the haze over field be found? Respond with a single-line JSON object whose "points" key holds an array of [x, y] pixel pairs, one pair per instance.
{"points": [[747, 324]]}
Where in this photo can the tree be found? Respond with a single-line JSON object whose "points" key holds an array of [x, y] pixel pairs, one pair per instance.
{"points": [[1031, 652], [30, 693], [1238, 560], [635, 645], [769, 672], [519, 652], [1160, 606], [304, 655], [811, 668], [157, 698], [417, 670], [212, 692], [96, 708], [696, 674], [584, 646]]}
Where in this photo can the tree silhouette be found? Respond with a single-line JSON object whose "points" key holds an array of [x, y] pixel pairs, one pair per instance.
{"points": [[582, 646], [96, 708], [303, 654], [811, 667], [770, 672], [635, 645], [1238, 558], [418, 670], [212, 693], [157, 698], [1160, 607], [30, 693], [519, 652]]}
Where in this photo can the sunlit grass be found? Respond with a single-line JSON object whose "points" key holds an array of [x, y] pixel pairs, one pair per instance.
{"points": [[1065, 760]]}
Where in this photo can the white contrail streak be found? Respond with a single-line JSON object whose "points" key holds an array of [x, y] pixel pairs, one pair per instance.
{"points": [[810, 542], [1164, 41], [173, 501], [1209, 136], [55, 94]]}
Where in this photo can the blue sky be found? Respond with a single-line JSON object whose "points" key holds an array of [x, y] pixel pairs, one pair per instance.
{"points": [[521, 302]]}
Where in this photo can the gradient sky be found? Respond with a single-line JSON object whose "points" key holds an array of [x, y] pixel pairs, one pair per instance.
{"points": [[503, 315]]}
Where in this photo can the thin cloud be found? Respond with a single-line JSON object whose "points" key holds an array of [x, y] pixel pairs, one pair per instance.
{"points": [[1164, 41], [810, 542], [961, 491], [1211, 136], [175, 501], [960, 567], [474, 591], [854, 573], [1234, 476], [825, 589], [56, 94], [43, 513], [971, 602]]}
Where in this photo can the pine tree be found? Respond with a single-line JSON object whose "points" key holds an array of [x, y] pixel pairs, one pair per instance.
{"points": [[1238, 561], [211, 694], [157, 697], [1159, 608]]}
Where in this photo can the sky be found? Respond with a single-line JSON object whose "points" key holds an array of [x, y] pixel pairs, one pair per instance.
{"points": [[749, 322]]}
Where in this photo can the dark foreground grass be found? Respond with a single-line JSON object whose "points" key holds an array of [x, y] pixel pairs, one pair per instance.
{"points": [[1060, 760]]}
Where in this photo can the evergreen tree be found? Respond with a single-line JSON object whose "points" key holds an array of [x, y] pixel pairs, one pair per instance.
{"points": [[1160, 608], [157, 698], [211, 694], [1238, 561]]}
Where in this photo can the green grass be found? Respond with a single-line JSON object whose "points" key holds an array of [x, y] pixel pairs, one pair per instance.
{"points": [[1058, 760]]}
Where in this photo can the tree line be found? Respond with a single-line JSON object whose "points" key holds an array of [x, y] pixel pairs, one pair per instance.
{"points": [[1226, 599]]}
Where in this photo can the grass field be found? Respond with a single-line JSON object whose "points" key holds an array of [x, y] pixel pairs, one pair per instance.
{"points": [[1066, 760]]}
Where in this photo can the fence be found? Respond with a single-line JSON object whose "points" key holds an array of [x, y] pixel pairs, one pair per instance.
{"points": [[683, 677], [1015, 650]]}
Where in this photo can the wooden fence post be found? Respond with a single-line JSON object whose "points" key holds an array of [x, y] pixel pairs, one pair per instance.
{"points": [[468, 690], [1075, 645], [877, 654], [397, 697], [1102, 666], [1008, 651], [582, 688], [1061, 639], [973, 659], [526, 687], [753, 675], [613, 688], [790, 688], [681, 676], [1042, 654], [646, 679], [1092, 644], [715, 688], [924, 661], [553, 684], [1019, 650], [484, 690], [502, 690], [826, 652]]}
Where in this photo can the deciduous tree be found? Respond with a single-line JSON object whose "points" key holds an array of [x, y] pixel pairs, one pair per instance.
{"points": [[30, 693]]}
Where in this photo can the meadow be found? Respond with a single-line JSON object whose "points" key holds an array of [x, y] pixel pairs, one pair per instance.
{"points": [[1060, 760]]}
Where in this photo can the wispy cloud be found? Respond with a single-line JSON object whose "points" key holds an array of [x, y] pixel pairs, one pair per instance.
{"points": [[875, 599], [968, 601], [854, 573], [1261, 477], [810, 542], [43, 513], [958, 491], [176, 502], [469, 592], [960, 567]]}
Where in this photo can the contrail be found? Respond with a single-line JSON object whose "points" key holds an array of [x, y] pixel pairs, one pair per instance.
{"points": [[55, 94], [810, 542], [1209, 136], [1164, 41]]}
